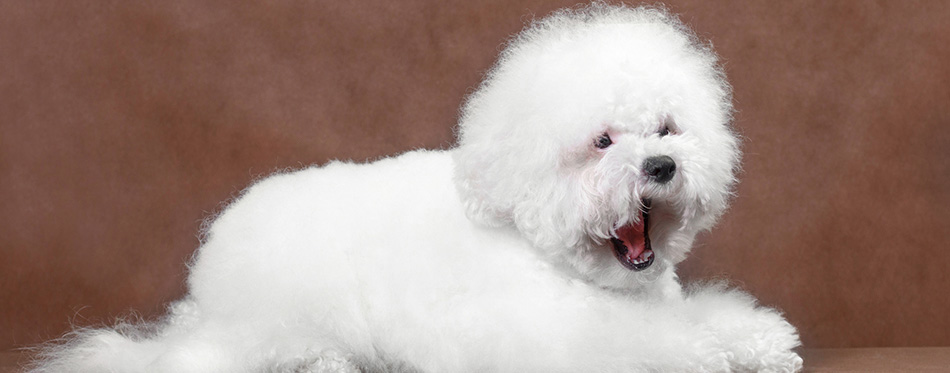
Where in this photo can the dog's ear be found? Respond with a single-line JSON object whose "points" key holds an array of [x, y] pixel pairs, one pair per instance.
{"points": [[496, 174], [475, 191], [512, 175], [502, 186]]}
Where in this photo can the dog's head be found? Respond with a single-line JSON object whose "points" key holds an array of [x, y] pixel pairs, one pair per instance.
{"points": [[602, 135]]}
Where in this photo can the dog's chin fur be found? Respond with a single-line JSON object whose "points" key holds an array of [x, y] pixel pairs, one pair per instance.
{"points": [[494, 256]]}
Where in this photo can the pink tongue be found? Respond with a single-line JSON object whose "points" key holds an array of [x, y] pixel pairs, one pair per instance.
{"points": [[633, 239]]}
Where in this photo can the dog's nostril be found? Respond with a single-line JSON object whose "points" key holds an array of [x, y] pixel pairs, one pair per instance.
{"points": [[660, 168]]}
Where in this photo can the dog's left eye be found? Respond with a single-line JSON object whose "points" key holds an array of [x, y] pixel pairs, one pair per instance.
{"points": [[665, 131], [603, 141]]}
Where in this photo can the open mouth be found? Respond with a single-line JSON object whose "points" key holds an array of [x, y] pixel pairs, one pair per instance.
{"points": [[632, 242]]}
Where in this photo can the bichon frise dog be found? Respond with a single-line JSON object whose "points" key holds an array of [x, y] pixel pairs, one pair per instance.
{"points": [[589, 158]]}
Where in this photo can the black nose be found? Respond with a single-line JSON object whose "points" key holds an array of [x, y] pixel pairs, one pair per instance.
{"points": [[659, 168]]}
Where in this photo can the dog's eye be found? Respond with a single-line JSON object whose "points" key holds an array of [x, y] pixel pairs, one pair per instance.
{"points": [[665, 131], [603, 141]]}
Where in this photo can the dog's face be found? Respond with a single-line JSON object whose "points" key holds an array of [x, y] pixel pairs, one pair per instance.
{"points": [[604, 140]]}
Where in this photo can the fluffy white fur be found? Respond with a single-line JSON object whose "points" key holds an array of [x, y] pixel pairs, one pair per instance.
{"points": [[494, 256]]}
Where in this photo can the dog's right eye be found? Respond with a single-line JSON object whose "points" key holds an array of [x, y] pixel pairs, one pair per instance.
{"points": [[603, 141]]}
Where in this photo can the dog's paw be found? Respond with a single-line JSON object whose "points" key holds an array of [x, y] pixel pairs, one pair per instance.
{"points": [[763, 343], [715, 362], [698, 351], [757, 339], [777, 362]]}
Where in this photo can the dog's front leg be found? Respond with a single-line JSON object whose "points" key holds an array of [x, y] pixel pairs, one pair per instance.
{"points": [[583, 331]]}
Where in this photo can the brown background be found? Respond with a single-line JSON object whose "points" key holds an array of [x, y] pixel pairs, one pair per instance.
{"points": [[124, 124]]}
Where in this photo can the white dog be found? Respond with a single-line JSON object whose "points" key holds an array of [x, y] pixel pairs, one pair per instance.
{"points": [[588, 160]]}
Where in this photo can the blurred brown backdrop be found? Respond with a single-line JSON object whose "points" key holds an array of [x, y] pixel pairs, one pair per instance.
{"points": [[124, 124]]}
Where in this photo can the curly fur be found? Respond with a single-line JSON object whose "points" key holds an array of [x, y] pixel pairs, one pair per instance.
{"points": [[493, 256]]}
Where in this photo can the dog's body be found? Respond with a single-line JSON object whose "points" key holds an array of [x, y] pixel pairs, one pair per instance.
{"points": [[545, 242]]}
